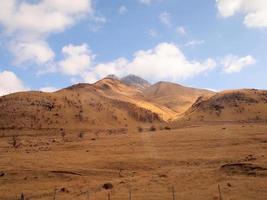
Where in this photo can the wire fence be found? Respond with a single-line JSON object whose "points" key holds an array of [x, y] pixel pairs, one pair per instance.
{"points": [[110, 195]]}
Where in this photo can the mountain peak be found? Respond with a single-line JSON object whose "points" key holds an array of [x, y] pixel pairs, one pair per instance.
{"points": [[136, 81], [112, 76]]}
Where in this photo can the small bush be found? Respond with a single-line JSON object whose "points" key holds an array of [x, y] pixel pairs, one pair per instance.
{"points": [[167, 128], [107, 186], [152, 128], [14, 141], [81, 135], [140, 129]]}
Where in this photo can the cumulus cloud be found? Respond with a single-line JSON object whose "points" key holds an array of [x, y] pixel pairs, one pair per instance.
{"points": [[165, 18], [166, 61], [117, 67], [10, 83], [28, 25], [255, 11], [37, 51], [77, 59], [234, 64]]}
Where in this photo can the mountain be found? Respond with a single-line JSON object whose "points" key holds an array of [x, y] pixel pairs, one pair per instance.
{"points": [[174, 96], [136, 81], [112, 76], [110, 103], [100, 105], [246, 105]]}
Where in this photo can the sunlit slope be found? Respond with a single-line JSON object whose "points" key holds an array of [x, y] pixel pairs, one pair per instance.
{"points": [[80, 106], [233, 106], [174, 96]]}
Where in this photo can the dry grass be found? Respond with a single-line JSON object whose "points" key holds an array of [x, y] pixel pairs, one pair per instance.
{"points": [[190, 159]]}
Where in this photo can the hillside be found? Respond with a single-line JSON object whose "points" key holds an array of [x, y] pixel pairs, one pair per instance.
{"points": [[111, 104], [247, 105], [174, 96], [79, 106]]}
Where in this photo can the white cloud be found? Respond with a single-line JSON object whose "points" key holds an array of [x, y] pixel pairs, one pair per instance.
{"points": [[37, 51], [164, 62], [28, 25], [193, 43], [234, 64], [43, 17], [77, 59], [181, 30], [122, 10], [255, 11], [165, 18], [10, 83], [117, 67], [167, 61], [48, 89]]}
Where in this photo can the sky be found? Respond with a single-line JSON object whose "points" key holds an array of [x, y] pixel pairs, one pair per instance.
{"points": [[51, 44]]}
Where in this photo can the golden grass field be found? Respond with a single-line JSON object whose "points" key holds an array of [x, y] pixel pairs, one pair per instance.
{"points": [[47, 164]]}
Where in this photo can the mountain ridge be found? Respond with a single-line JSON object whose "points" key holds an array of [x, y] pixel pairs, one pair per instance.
{"points": [[111, 103]]}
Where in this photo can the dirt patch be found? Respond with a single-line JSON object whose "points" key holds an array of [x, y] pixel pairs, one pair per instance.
{"points": [[248, 169]]}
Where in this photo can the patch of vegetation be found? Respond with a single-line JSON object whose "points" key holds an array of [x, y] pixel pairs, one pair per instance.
{"points": [[152, 128], [107, 186]]}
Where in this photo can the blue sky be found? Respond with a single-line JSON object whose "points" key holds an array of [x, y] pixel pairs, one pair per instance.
{"points": [[46, 45]]}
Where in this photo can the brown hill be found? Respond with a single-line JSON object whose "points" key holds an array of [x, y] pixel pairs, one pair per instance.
{"points": [[174, 96], [247, 105], [109, 103], [79, 106]]}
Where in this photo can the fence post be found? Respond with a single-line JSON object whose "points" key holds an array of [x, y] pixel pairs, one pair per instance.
{"points": [[108, 195], [22, 196], [173, 193], [87, 195], [220, 194], [130, 193], [55, 192]]}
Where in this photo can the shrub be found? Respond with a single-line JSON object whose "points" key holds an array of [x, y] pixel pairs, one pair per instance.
{"points": [[152, 128], [107, 186], [140, 129], [167, 128], [81, 135], [14, 142]]}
